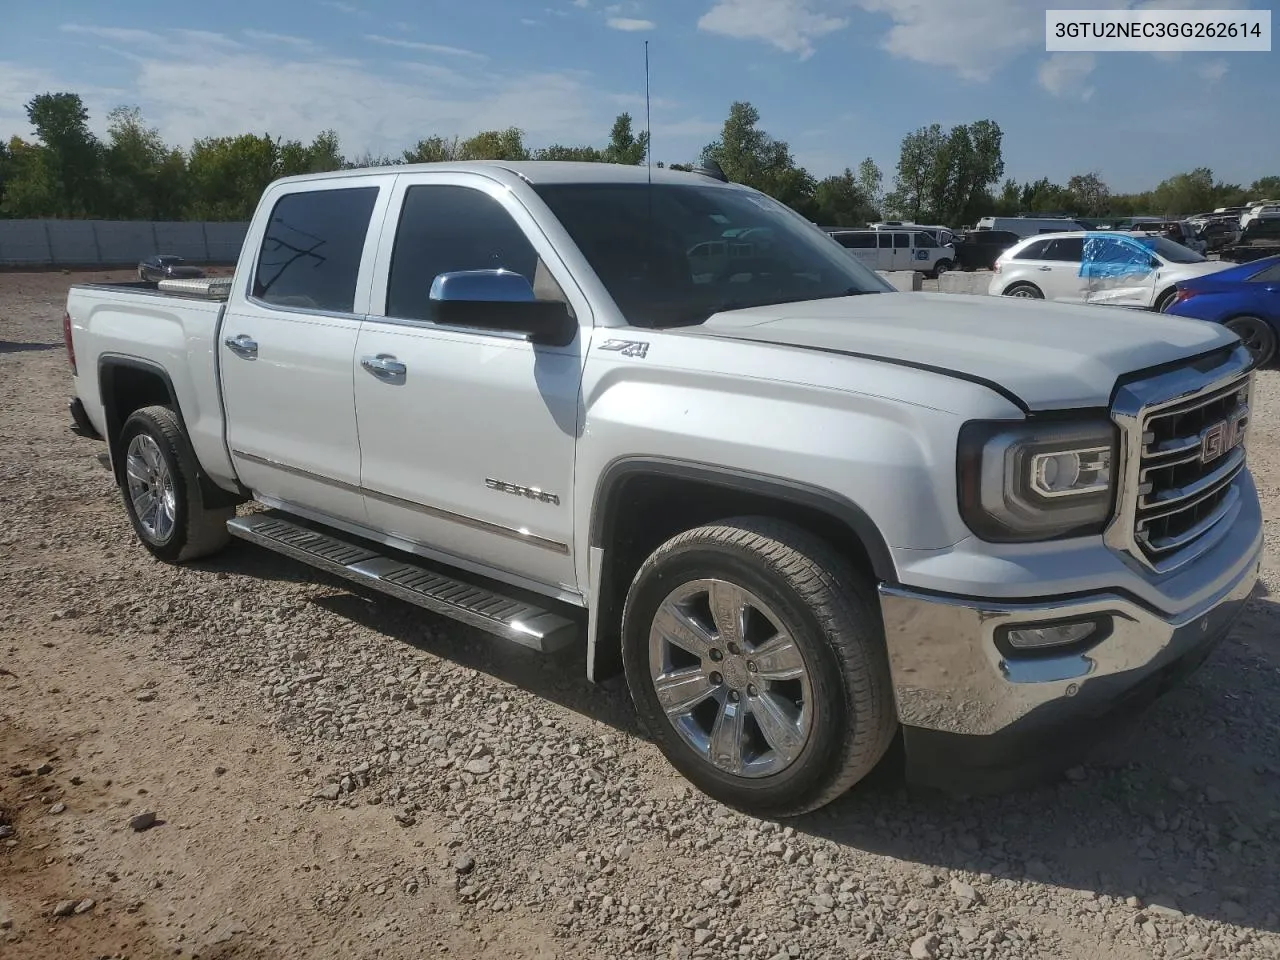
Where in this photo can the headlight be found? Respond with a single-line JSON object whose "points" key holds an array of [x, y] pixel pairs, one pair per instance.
{"points": [[1023, 481]]}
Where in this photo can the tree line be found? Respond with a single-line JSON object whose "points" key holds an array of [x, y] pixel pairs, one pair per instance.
{"points": [[948, 176]]}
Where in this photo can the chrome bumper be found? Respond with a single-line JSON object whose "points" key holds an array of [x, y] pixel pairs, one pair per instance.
{"points": [[950, 675]]}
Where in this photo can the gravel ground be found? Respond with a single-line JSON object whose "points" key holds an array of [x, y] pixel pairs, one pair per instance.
{"points": [[335, 774]]}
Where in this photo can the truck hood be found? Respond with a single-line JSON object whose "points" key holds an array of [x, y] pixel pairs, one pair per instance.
{"points": [[1046, 355]]}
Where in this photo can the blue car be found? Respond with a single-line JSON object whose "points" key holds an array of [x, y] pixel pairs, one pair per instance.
{"points": [[1245, 298]]}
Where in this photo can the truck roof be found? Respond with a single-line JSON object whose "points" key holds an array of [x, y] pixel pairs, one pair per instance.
{"points": [[531, 171]]}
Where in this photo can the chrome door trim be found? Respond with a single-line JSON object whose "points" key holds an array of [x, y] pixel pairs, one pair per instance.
{"points": [[520, 536]]}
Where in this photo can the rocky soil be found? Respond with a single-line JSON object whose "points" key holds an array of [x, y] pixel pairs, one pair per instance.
{"points": [[241, 758]]}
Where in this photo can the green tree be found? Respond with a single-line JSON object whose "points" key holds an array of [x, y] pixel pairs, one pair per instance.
{"points": [[505, 144], [145, 177], [74, 157], [227, 175], [1264, 188], [1089, 193], [871, 183], [624, 146], [945, 176], [839, 201], [558, 151], [748, 155], [29, 190], [433, 149]]}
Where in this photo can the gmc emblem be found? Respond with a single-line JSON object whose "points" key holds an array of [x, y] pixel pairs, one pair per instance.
{"points": [[1224, 436]]}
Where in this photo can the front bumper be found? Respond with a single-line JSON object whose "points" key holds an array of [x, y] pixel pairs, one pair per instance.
{"points": [[977, 718]]}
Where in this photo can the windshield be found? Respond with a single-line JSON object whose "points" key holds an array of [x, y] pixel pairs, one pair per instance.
{"points": [[1168, 250], [674, 254]]}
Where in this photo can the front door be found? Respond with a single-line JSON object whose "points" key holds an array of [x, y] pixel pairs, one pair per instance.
{"points": [[1119, 271], [287, 341], [468, 436]]}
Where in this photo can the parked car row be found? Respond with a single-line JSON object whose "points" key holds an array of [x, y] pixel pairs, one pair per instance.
{"points": [[164, 266]]}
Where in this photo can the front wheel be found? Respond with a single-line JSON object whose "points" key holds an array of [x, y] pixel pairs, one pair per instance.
{"points": [[161, 489], [756, 659], [941, 267], [1257, 336], [1166, 301]]}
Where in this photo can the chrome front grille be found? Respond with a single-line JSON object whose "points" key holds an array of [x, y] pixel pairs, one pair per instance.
{"points": [[1191, 454], [1182, 451]]}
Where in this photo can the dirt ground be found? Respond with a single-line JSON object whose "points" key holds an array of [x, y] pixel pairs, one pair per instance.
{"points": [[331, 775]]}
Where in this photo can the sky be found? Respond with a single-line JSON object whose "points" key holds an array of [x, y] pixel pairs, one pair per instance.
{"points": [[838, 80]]}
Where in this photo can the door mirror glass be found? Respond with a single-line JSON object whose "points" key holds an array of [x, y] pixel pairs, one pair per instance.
{"points": [[500, 300]]}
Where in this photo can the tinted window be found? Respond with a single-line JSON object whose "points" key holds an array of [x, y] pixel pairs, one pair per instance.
{"points": [[1032, 251], [924, 240], [1068, 249], [444, 228], [311, 252], [860, 241], [885, 240], [902, 241], [1269, 275], [1167, 249], [637, 239]]}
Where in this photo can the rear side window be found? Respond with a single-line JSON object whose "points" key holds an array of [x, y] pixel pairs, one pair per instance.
{"points": [[311, 252], [901, 241], [885, 240], [1068, 249], [444, 228], [856, 241], [1032, 251]]}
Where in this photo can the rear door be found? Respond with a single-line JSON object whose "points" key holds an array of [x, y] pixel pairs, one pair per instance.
{"points": [[287, 344], [1062, 280]]}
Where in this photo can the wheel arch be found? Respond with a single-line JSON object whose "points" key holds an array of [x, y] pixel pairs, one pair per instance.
{"points": [[126, 384], [625, 528], [1004, 292]]}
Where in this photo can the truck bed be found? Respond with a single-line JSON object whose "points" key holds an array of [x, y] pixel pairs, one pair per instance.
{"points": [[197, 288]]}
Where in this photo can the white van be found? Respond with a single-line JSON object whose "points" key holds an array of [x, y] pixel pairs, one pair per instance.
{"points": [[897, 249], [1029, 226]]}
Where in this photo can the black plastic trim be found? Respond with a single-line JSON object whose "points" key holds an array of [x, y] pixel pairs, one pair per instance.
{"points": [[81, 425], [603, 511]]}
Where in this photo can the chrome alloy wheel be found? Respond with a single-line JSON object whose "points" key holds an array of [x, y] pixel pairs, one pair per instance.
{"points": [[150, 488], [731, 680]]}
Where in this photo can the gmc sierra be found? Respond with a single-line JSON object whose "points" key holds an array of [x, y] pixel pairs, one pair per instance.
{"points": [[802, 512]]}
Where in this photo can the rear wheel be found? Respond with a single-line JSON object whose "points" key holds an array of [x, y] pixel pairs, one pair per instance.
{"points": [[755, 657], [1257, 336], [1024, 291], [161, 489]]}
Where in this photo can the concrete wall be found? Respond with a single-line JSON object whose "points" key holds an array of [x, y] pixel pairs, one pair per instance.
{"points": [[906, 281], [956, 281], [101, 243]]}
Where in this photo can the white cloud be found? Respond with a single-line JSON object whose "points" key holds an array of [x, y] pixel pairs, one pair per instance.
{"points": [[348, 8], [114, 34], [298, 43], [1067, 75], [790, 25], [425, 47], [1212, 71], [629, 24], [381, 105]]}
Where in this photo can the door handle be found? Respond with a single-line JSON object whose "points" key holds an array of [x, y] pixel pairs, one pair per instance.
{"points": [[243, 345], [1044, 268], [384, 366]]}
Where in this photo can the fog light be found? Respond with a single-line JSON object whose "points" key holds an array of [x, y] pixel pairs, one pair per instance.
{"points": [[1037, 638]]}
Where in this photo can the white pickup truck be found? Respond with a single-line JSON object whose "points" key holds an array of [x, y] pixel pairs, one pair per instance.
{"points": [[805, 514]]}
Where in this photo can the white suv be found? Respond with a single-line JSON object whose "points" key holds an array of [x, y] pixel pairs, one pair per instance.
{"points": [[1107, 268]]}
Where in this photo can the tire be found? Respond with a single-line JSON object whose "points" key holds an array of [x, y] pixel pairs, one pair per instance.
{"points": [[835, 720], [941, 267], [157, 455], [1257, 336], [1025, 291], [1166, 300]]}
